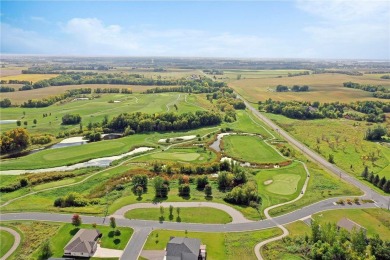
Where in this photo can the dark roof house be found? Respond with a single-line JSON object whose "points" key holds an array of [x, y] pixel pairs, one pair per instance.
{"points": [[350, 225], [181, 248], [84, 243]]}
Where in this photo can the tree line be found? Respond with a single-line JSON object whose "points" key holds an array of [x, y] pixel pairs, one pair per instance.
{"points": [[381, 183], [373, 110], [6, 89], [142, 122], [295, 88], [377, 90]]}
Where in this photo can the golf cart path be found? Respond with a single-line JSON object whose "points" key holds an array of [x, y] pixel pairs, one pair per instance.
{"points": [[237, 216], [16, 242]]}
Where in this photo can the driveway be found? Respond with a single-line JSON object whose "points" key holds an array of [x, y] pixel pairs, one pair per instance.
{"points": [[105, 252], [153, 254]]}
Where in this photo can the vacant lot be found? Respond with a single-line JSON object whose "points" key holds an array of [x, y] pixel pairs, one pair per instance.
{"points": [[323, 88], [250, 149], [376, 221], [187, 215], [220, 246]]}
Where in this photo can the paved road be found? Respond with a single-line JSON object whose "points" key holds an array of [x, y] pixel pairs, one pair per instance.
{"points": [[237, 216], [16, 242], [381, 201]]}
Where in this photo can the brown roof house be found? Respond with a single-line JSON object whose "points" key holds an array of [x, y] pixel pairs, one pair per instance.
{"points": [[83, 244], [350, 225], [182, 248]]}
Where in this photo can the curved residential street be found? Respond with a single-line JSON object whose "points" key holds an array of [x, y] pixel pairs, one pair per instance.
{"points": [[142, 228], [16, 242]]}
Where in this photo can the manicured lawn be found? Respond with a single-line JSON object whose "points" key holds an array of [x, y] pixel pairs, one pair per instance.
{"points": [[193, 155], [108, 240], [284, 190], [6, 242], [220, 246], [204, 215], [250, 149], [284, 184], [298, 228], [374, 220]]}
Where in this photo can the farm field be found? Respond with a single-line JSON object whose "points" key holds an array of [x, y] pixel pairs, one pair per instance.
{"points": [[250, 149], [342, 138], [255, 74], [322, 88], [146, 103], [220, 246], [187, 215], [6, 242], [29, 77]]}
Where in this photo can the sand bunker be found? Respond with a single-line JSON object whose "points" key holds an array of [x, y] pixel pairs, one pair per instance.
{"points": [[268, 182], [177, 139]]}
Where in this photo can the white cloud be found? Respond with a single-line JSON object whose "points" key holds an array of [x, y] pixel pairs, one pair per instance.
{"points": [[39, 19], [92, 33]]}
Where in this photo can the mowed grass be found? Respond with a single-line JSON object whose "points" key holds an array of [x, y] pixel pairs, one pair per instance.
{"points": [[204, 215], [376, 221], [87, 109], [250, 149], [29, 77], [323, 88], [277, 194], [284, 184], [108, 240], [193, 155], [342, 138], [220, 246], [6, 242], [74, 154]]}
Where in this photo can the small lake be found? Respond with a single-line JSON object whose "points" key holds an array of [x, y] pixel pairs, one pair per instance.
{"points": [[99, 162]]}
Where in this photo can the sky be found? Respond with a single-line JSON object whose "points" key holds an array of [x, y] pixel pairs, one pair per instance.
{"points": [[330, 29]]}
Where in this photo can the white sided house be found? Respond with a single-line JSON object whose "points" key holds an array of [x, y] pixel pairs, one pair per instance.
{"points": [[83, 244]]}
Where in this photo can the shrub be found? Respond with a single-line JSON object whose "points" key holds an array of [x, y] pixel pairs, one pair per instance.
{"points": [[184, 190], [201, 182]]}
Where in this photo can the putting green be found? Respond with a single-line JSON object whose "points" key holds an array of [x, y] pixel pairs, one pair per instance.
{"points": [[284, 184], [188, 157]]}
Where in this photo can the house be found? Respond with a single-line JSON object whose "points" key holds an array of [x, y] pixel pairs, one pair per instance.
{"points": [[182, 248], [84, 243], [350, 225]]}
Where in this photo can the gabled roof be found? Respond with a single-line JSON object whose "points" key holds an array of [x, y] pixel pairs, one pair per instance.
{"points": [[349, 225], [83, 241], [181, 248]]}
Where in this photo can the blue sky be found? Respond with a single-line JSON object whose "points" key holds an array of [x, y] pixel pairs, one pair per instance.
{"points": [[243, 29]]}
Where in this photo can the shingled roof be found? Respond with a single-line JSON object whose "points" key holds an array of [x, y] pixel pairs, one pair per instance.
{"points": [[83, 241], [181, 248]]}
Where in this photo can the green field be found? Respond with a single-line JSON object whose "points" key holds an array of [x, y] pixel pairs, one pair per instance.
{"points": [[220, 246], [284, 184], [6, 242], [146, 103], [250, 149], [204, 215], [374, 220]]}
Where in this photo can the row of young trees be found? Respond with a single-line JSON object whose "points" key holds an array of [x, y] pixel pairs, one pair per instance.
{"points": [[373, 110], [381, 183]]}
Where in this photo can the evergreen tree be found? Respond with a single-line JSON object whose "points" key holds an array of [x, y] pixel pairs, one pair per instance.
{"points": [[375, 181], [382, 182], [386, 187], [365, 173]]}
